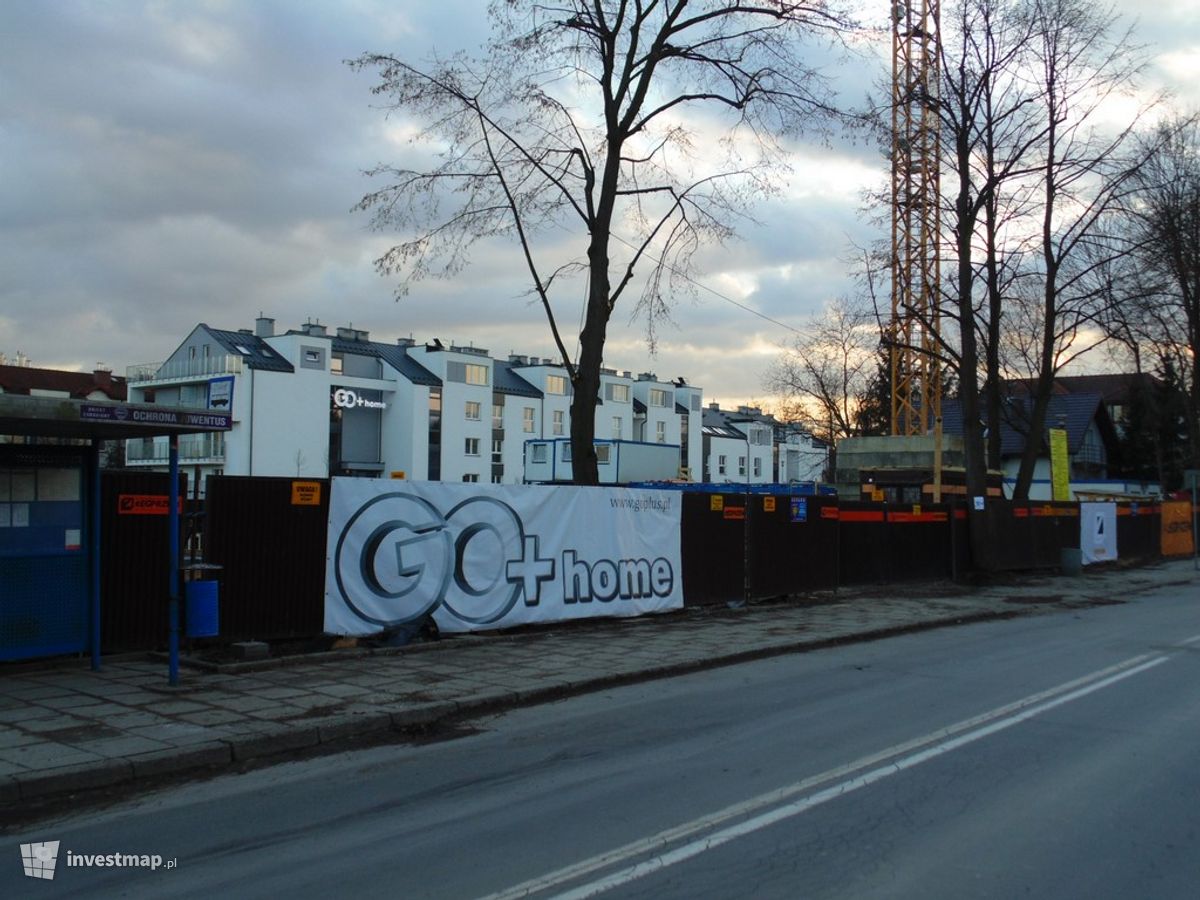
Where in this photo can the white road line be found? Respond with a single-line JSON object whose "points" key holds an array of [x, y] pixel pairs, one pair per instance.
{"points": [[687, 851], [942, 740], [1191, 640]]}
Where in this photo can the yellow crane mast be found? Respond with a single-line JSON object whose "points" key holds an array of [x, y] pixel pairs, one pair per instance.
{"points": [[916, 219]]}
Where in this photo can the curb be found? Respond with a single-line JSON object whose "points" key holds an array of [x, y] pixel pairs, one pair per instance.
{"points": [[339, 733]]}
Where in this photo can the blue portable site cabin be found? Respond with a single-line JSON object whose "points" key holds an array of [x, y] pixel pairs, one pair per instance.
{"points": [[50, 514]]}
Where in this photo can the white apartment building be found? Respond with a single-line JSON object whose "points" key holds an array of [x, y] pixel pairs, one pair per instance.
{"points": [[307, 403], [750, 447]]}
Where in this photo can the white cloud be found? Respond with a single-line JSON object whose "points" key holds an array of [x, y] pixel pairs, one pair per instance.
{"points": [[173, 163]]}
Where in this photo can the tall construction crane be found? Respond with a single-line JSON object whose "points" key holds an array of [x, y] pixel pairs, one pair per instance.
{"points": [[913, 337]]}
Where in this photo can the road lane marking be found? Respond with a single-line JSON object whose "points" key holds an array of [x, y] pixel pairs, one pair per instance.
{"points": [[1191, 640], [936, 743]]}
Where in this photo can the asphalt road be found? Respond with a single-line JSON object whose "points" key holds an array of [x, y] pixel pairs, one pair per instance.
{"points": [[1053, 756]]}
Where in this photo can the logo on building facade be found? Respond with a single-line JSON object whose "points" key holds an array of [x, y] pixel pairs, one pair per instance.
{"points": [[39, 859], [344, 398]]}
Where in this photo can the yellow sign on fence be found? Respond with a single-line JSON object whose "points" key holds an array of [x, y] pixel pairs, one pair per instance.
{"points": [[306, 493], [1177, 537], [1060, 465]]}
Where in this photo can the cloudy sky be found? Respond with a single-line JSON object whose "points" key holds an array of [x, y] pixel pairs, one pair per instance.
{"points": [[166, 163]]}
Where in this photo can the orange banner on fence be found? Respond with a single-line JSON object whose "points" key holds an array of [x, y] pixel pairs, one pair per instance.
{"points": [[1177, 537], [145, 504]]}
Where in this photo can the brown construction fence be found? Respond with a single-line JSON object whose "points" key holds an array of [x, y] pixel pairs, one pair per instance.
{"points": [[268, 538]]}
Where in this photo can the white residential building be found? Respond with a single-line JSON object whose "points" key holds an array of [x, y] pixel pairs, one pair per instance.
{"points": [[310, 403], [750, 447]]}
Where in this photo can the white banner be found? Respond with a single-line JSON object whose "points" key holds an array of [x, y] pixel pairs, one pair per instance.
{"points": [[490, 556], [1097, 532]]}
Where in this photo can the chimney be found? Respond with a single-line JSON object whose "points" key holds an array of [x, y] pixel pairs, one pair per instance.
{"points": [[102, 376], [406, 341], [314, 329], [264, 327]]}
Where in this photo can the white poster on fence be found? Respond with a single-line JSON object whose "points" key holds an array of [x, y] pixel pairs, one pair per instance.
{"points": [[1097, 532], [491, 556]]}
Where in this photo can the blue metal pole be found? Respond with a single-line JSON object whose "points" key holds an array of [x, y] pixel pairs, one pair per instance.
{"points": [[94, 550], [173, 544]]}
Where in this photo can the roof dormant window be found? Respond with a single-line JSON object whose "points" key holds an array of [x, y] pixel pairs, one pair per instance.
{"points": [[556, 384], [467, 373], [659, 397]]}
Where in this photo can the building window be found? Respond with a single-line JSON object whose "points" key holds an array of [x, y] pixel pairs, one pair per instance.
{"points": [[757, 467], [435, 434], [497, 415], [602, 451], [472, 479], [312, 358], [659, 397], [741, 465], [527, 419], [473, 410], [472, 446], [556, 384], [335, 364], [616, 429], [496, 479], [559, 418], [476, 374], [618, 393], [660, 432], [720, 465], [537, 453]]}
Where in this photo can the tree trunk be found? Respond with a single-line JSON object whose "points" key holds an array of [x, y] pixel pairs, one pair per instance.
{"points": [[584, 466], [992, 380]]}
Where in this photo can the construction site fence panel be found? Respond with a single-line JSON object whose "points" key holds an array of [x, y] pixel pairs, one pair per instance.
{"points": [[267, 536]]}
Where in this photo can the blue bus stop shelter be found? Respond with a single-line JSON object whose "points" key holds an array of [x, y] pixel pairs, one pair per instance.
{"points": [[50, 517]]}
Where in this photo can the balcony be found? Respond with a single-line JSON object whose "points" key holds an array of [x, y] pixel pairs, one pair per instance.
{"points": [[193, 449], [183, 369]]}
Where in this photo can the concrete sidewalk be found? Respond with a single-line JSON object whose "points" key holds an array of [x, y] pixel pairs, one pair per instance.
{"points": [[64, 728]]}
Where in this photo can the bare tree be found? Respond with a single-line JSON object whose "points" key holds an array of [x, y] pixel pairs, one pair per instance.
{"points": [[826, 373], [643, 127], [1086, 176], [1161, 316], [990, 127]]}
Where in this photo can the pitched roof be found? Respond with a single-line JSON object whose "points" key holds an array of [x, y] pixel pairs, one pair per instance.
{"points": [[507, 381], [395, 355], [23, 379], [1115, 388], [254, 351], [1073, 412]]}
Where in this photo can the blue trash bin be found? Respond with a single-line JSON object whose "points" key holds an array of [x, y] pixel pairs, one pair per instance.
{"points": [[201, 619]]}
